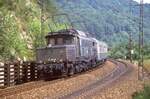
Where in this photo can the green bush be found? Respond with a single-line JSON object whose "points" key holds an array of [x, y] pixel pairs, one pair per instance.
{"points": [[145, 94]]}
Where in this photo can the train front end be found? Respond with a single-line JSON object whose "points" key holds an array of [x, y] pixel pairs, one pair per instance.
{"points": [[58, 55]]}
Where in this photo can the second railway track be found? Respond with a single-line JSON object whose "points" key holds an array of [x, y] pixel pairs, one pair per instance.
{"points": [[120, 70]]}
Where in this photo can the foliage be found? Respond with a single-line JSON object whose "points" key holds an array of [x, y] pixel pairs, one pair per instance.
{"points": [[121, 50], [145, 94], [21, 31], [20, 28], [147, 64], [107, 20], [11, 45], [110, 21]]}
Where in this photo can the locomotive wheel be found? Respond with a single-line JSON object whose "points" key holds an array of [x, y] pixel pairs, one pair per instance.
{"points": [[81, 68], [77, 69], [71, 71], [85, 67], [65, 73], [94, 63]]}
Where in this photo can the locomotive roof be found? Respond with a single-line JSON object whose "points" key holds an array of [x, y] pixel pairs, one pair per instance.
{"points": [[100, 42], [68, 32], [81, 33], [103, 43]]}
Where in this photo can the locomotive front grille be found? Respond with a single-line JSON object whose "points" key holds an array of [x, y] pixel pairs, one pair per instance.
{"points": [[51, 54], [56, 54]]}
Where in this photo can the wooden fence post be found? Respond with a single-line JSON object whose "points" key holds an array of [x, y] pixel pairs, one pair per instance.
{"points": [[17, 73], [38, 73], [2, 75], [25, 72], [7, 74], [32, 71]]}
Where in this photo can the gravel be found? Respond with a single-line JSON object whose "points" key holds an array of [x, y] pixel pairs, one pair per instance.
{"points": [[64, 87], [123, 88]]}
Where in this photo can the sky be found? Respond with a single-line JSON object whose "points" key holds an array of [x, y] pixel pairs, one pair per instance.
{"points": [[145, 1]]}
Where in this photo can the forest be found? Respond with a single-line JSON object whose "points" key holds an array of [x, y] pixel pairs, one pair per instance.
{"points": [[24, 23]]}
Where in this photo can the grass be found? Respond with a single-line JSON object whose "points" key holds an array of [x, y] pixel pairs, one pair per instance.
{"points": [[145, 94], [147, 64]]}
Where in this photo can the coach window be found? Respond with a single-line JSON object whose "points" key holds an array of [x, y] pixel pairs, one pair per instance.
{"points": [[93, 43]]}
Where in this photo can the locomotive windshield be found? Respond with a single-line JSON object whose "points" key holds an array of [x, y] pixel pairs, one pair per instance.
{"points": [[60, 40]]}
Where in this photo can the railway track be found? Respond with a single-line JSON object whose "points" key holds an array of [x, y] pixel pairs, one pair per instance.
{"points": [[122, 68], [37, 84], [87, 90]]}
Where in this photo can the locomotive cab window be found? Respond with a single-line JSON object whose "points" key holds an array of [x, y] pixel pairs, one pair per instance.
{"points": [[60, 40], [51, 42], [93, 43]]}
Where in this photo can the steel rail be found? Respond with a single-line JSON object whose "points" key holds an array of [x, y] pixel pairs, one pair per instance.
{"points": [[37, 84], [120, 70]]}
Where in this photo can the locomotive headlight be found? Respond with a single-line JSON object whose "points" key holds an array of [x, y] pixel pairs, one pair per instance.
{"points": [[61, 60], [54, 60], [49, 59]]}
